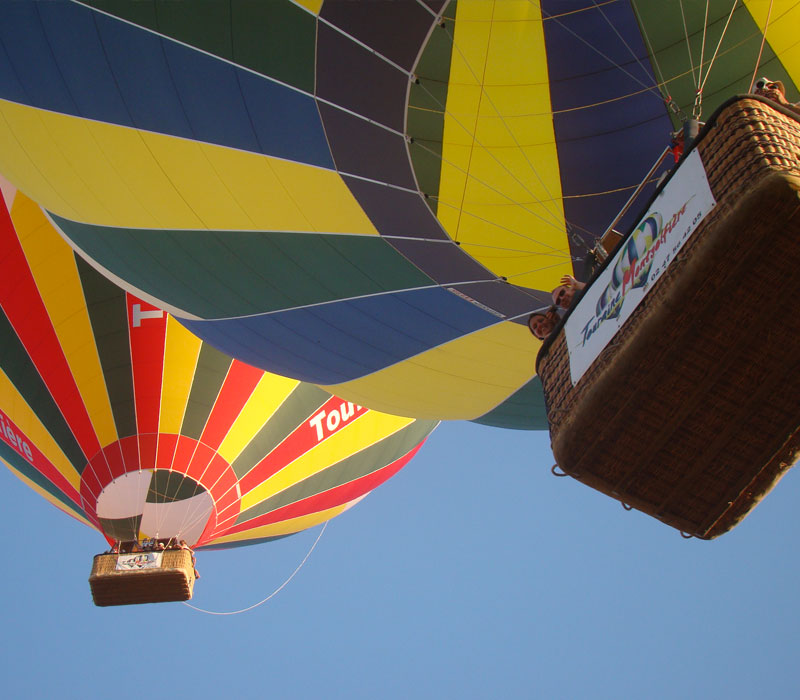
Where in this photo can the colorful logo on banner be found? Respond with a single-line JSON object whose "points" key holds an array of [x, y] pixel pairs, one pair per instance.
{"points": [[633, 266], [140, 560], [632, 269], [640, 261]]}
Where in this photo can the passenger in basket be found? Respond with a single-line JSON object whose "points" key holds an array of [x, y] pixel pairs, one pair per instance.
{"points": [[565, 293], [542, 324], [775, 91], [194, 559]]}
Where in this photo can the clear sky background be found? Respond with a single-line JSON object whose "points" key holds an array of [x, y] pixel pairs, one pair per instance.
{"points": [[474, 573]]}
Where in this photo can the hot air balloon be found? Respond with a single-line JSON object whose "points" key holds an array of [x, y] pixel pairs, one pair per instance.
{"points": [[123, 419]]}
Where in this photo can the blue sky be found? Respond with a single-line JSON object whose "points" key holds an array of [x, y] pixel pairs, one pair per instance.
{"points": [[474, 573]]}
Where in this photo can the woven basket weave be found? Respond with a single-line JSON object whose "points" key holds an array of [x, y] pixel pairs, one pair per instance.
{"points": [[692, 413], [173, 581]]}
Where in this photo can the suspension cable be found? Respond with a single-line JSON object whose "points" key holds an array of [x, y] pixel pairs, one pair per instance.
{"points": [[702, 49], [719, 43], [271, 595], [612, 62], [616, 31], [668, 101], [761, 49], [638, 190], [695, 78]]}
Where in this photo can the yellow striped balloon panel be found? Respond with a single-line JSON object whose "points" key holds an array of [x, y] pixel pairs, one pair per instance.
{"points": [[119, 416], [369, 196]]}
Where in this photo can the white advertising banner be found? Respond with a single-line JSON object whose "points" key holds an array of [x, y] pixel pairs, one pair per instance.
{"points": [[637, 264], [139, 560]]}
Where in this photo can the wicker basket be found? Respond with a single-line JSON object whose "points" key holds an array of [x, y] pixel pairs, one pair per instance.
{"points": [[172, 581], [692, 413]]}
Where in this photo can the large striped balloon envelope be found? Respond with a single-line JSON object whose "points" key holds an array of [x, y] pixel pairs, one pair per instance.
{"points": [[124, 419], [369, 196]]}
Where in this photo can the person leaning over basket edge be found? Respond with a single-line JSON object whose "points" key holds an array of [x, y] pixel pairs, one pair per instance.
{"points": [[565, 293], [775, 91], [194, 559], [542, 324]]}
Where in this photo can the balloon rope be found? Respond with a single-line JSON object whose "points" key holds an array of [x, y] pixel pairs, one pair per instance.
{"points": [[702, 51], [761, 50], [633, 54], [719, 43], [275, 592], [695, 78], [661, 82]]}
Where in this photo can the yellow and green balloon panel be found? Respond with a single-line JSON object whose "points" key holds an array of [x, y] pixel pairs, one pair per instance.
{"points": [[124, 419], [368, 196]]}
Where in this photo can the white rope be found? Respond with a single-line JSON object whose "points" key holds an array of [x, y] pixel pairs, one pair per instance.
{"points": [[695, 78], [555, 18], [761, 50], [275, 592], [719, 43], [651, 51], [633, 54], [702, 49]]}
